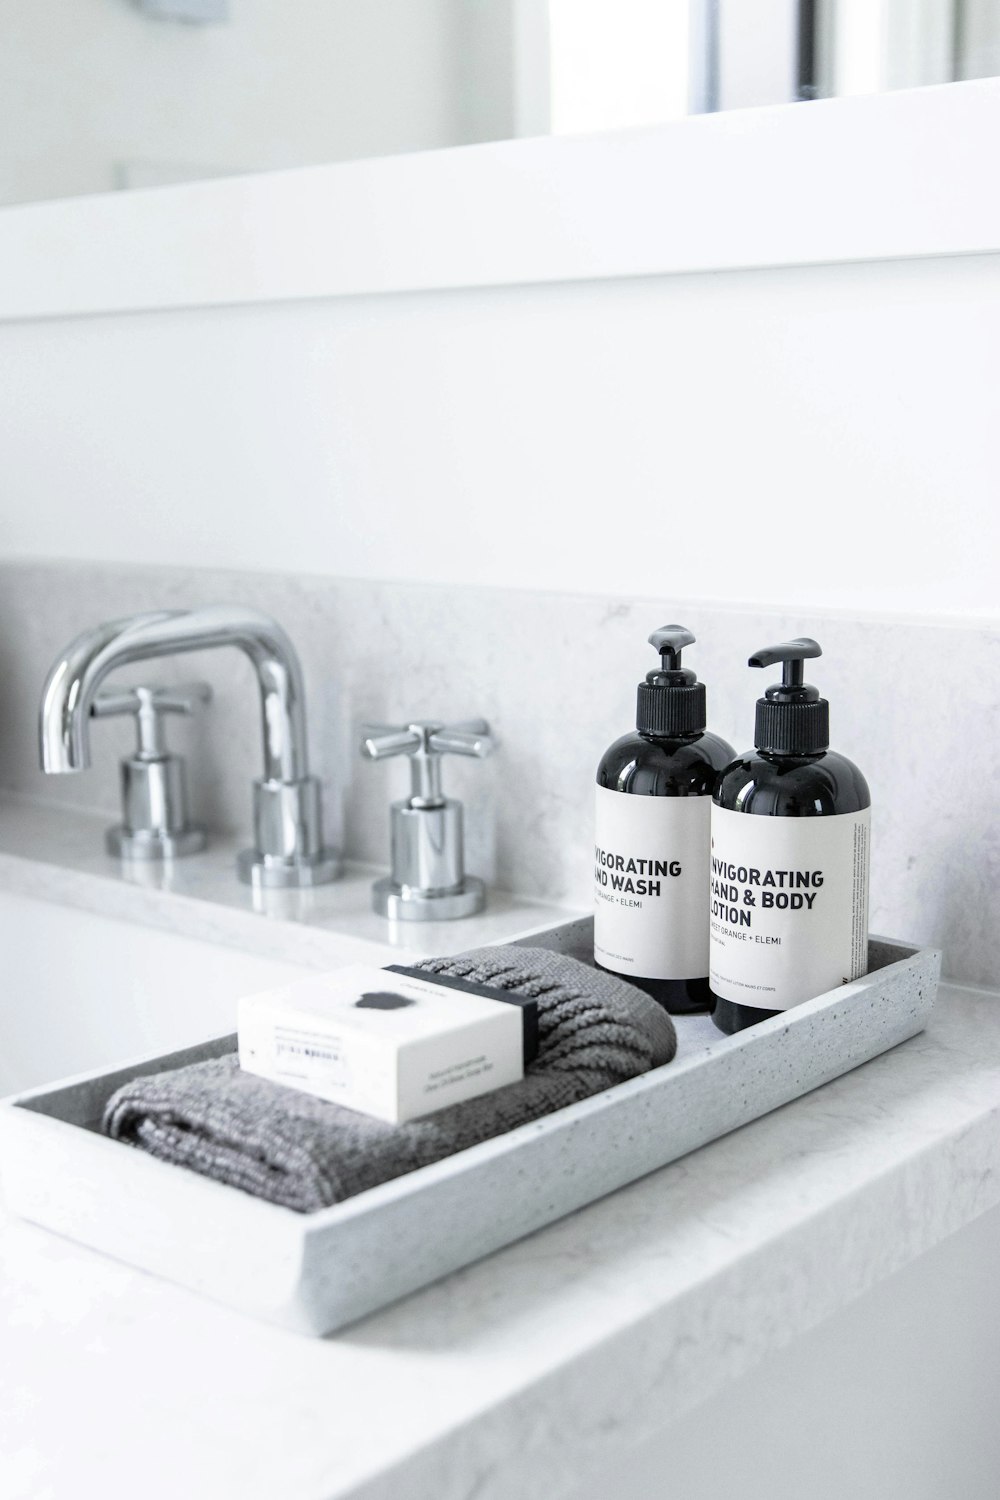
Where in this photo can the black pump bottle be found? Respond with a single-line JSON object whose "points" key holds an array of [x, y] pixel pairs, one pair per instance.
{"points": [[652, 836], [790, 847]]}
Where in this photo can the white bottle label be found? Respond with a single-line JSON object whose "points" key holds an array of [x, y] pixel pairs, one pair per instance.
{"points": [[651, 885], [789, 912]]}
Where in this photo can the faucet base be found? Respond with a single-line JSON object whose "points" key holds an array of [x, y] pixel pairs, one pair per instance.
{"points": [[270, 873], [404, 904], [150, 845]]}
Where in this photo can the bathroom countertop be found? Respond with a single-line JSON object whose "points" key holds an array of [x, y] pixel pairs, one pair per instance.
{"points": [[515, 1377], [57, 854]]}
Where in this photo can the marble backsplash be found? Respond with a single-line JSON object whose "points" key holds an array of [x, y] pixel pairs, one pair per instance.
{"points": [[915, 703]]}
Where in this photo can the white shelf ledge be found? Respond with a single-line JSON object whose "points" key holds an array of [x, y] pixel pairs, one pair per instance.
{"points": [[881, 177]]}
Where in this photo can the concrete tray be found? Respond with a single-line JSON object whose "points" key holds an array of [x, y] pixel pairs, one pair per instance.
{"points": [[318, 1272]]}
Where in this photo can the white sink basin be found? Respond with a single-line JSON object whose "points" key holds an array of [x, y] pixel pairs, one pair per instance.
{"points": [[81, 991]]}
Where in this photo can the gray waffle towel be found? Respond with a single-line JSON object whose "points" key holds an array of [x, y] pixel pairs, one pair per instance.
{"points": [[278, 1143]]}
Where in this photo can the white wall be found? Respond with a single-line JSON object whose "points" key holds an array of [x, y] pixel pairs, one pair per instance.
{"points": [[819, 437], [93, 92]]}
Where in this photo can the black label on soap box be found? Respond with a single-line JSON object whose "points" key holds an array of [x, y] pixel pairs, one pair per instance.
{"points": [[528, 1005]]}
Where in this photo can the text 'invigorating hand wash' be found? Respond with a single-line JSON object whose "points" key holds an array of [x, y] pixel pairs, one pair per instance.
{"points": [[651, 855]]}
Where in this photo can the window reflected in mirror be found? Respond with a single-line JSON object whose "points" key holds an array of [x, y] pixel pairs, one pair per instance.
{"points": [[98, 95]]}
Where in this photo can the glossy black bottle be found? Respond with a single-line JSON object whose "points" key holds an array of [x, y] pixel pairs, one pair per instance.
{"points": [[791, 774], [670, 754]]}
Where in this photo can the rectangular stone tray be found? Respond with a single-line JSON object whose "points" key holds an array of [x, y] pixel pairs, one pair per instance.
{"points": [[318, 1272]]}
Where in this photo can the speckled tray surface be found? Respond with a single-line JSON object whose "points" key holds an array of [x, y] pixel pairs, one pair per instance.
{"points": [[317, 1272]]}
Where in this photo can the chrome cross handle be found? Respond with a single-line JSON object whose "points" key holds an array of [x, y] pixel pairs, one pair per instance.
{"points": [[153, 781], [428, 880], [148, 704], [425, 741]]}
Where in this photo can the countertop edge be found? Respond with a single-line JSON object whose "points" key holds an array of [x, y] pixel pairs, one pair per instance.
{"points": [[56, 854], [706, 1348]]}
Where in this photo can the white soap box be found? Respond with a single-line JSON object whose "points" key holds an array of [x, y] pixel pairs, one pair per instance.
{"points": [[386, 1044]]}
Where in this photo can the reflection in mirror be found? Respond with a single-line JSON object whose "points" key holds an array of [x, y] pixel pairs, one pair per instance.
{"points": [[97, 95]]}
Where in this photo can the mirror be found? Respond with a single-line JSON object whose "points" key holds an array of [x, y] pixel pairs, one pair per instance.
{"points": [[98, 95]]}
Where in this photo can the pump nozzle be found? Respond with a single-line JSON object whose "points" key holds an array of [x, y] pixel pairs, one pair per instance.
{"points": [[671, 700], [670, 641], [791, 654], [792, 718]]}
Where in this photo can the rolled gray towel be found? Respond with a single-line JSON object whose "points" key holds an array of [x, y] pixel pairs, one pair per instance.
{"points": [[278, 1143]]}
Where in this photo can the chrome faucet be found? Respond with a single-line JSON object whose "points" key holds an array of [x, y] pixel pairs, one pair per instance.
{"points": [[287, 816]]}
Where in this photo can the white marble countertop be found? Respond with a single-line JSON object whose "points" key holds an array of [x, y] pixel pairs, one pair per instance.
{"points": [[57, 854], [513, 1378], [517, 1375]]}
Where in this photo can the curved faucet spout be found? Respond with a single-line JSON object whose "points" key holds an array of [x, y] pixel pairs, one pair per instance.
{"points": [[72, 683], [287, 809]]}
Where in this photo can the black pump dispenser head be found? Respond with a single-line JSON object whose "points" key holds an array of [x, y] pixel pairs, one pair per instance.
{"points": [[671, 701], [792, 718]]}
